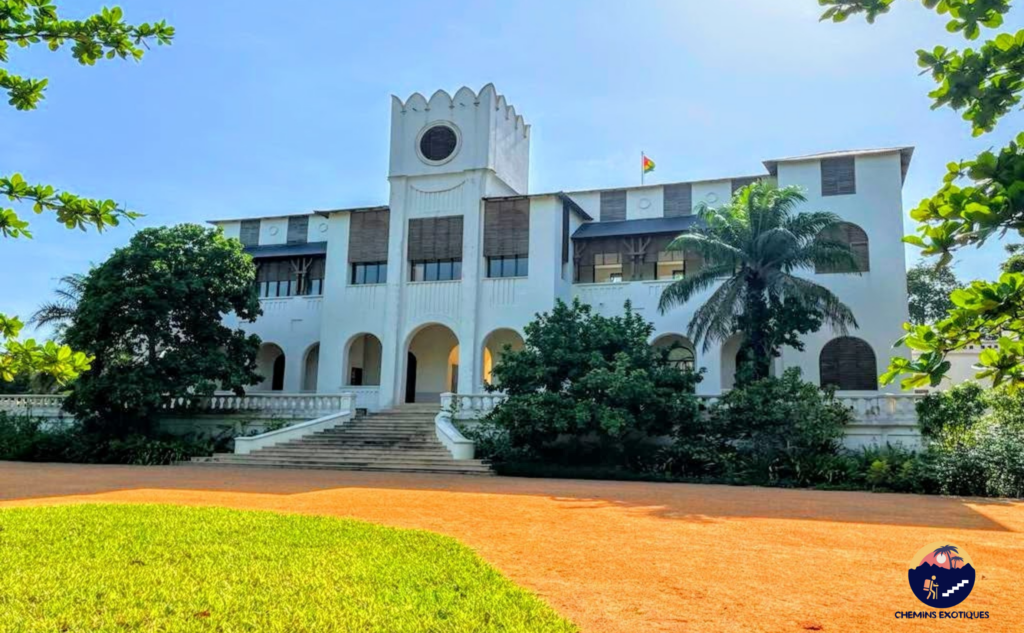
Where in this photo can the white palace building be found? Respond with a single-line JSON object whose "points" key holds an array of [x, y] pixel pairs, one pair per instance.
{"points": [[417, 297]]}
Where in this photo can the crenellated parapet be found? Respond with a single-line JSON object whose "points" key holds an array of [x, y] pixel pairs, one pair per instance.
{"points": [[487, 133]]}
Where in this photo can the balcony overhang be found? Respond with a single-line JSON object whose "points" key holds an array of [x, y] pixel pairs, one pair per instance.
{"points": [[628, 228], [287, 250]]}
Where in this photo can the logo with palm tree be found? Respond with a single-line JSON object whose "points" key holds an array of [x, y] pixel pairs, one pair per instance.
{"points": [[941, 575]]}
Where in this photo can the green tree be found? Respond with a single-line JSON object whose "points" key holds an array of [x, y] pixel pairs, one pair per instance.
{"points": [[929, 287], [752, 249], [582, 374], [980, 198], [151, 315], [27, 23]]}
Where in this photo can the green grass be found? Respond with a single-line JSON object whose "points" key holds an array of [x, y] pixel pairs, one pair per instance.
{"points": [[164, 568]]}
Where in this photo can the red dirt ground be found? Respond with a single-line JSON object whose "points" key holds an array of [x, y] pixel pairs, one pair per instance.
{"points": [[631, 557]]}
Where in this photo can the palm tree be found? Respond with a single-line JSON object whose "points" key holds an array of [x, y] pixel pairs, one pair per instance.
{"points": [[956, 561], [59, 312], [752, 249], [947, 550]]}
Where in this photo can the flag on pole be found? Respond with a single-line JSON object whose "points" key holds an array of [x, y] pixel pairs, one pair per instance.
{"points": [[648, 164]]}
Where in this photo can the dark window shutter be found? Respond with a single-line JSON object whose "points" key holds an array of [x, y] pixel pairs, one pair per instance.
{"points": [[298, 230], [739, 183], [565, 232], [838, 176], [507, 228], [857, 239], [435, 238], [250, 233], [678, 200], [849, 364], [613, 206], [368, 237]]}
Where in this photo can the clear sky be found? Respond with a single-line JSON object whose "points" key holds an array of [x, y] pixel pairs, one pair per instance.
{"points": [[266, 107]]}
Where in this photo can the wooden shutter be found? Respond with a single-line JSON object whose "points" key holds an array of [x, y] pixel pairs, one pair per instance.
{"points": [[250, 233], [368, 236], [298, 230], [435, 238], [507, 228], [857, 239], [838, 176], [739, 183], [848, 364], [678, 200], [613, 206]]}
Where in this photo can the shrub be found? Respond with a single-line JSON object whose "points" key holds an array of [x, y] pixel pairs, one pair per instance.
{"points": [[975, 440], [33, 440], [891, 469], [950, 415], [586, 389], [784, 431]]}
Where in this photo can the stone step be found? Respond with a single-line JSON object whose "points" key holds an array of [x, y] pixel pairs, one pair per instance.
{"points": [[368, 468], [417, 463]]}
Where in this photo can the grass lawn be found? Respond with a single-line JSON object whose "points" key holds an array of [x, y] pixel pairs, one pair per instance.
{"points": [[168, 568]]}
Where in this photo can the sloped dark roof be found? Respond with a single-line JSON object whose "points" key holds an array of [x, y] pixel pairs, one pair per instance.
{"points": [[649, 226], [287, 250]]}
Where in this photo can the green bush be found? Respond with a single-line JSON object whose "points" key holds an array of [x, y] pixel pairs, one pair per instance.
{"points": [[782, 431], [31, 440], [586, 390], [951, 415], [975, 440]]}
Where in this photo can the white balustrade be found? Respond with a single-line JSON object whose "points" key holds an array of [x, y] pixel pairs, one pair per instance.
{"points": [[467, 406], [39, 406], [305, 405], [366, 397]]}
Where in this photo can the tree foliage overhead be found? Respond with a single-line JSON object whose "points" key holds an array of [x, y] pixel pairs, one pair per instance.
{"points": [[151, 315], [980, 198], [753, 249], [23, 24], [929, 288], [581, 373]]}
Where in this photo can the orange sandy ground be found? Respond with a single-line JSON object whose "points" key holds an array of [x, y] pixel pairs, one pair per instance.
{"points": [[630, 557]]}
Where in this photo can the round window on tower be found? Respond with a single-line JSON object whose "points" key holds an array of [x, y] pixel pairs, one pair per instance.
{"points": [[438, 143]]}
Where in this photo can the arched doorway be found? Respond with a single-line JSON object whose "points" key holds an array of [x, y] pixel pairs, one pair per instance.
{"points": [[680, 350], [435, 369], [270, 364], [494, 348], [310, 368], [363, 360]]}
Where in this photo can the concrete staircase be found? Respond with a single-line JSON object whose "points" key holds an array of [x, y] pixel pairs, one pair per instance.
{"points": [[399, 440]]}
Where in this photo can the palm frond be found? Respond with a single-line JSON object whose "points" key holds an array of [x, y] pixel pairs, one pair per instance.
{"points": [[836, 314], [679, 292], [715, 320]]}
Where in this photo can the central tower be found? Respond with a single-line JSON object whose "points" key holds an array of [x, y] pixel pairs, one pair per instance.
{"points": [[448, 154], [469, 131]]}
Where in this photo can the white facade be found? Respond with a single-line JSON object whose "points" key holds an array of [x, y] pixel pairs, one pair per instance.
{"points": [[455, 329]]}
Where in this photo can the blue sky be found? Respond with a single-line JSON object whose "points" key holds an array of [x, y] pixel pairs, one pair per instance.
{"points": [[260, 108]]}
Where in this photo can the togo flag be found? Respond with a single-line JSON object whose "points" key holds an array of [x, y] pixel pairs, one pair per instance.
{"points": [[648, 164]]}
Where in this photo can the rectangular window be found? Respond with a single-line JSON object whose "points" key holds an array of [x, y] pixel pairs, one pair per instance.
{"points": [[607, 267], [839, 176], [250, 233], [297, 276], [437, 270], [375, 273], [298, 229], [504, 267]]}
